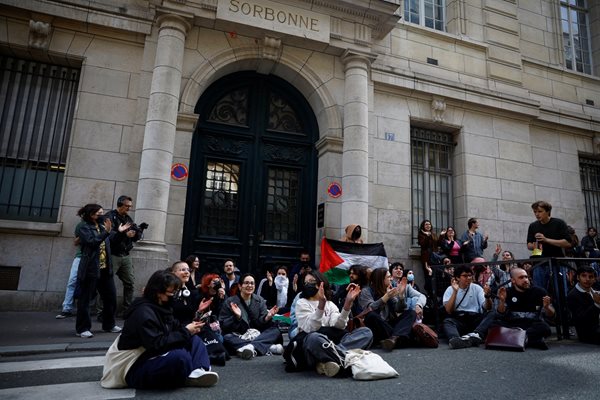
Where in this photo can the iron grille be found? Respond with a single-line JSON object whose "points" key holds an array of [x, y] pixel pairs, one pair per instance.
{"points": [[431, 178], [36, 113]]}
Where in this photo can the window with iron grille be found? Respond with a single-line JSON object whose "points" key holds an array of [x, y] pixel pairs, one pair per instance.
{"points": [[431, 178], [429, 13], [36, 112], [589, 170], [576, 35]]}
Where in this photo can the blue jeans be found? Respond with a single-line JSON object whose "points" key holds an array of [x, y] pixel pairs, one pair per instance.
{"points": [[541, 278], [169, 370], [68, 304]]}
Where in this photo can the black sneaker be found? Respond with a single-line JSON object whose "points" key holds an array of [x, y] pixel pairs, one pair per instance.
{"points": [[459, 343], [64, 314]]}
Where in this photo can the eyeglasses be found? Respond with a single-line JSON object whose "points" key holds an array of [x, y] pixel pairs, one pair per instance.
{"points": [[248, 283], [310, 281]]}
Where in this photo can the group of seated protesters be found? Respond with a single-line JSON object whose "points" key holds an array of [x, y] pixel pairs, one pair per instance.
{"points": [[175, 309]]}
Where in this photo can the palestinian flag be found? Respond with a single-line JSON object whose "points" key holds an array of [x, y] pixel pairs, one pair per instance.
{"points": [[337, 257]]}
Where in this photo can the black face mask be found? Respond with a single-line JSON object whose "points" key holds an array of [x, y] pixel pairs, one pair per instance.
{"points": [[309, 290], [170, 301], [356, 233]]}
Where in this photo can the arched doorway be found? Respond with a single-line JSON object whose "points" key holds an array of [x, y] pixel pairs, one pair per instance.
{"points": [[252, 188]]}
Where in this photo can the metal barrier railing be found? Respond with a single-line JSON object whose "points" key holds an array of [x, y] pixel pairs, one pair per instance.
{"points": [[561, 277]]}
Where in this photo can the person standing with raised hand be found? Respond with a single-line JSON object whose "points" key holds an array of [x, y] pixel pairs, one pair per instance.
{"points": [[95, 269]]}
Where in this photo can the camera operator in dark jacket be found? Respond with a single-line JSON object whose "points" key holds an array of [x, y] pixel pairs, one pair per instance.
{"points": [[121, 244]]}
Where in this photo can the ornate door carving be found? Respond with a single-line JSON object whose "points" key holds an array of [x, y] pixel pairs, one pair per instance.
{"points": [[251, 193]]}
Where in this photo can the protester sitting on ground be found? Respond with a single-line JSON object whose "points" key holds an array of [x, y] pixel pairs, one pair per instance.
{"points": [[186, 301], [584, 305], [230, 277], [397, 271], [525, 306], [174, 355], [296, 283], [212, 288], [321, 322], [358, 275], [247, 325], [451, 247], [390, 318], [465, 302], [193, 263], [410, 279], [293, 329], [274, 289], [95, 269]]}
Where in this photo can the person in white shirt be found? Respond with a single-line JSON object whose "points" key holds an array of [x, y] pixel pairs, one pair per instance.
{"points": [[326, 340]]}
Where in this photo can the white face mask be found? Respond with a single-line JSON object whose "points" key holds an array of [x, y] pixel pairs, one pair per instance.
{"points": [[281, 281], [410, 277]]}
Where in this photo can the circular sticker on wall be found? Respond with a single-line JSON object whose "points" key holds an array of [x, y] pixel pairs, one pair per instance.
{"points": [[334, 190], [179, 172]]}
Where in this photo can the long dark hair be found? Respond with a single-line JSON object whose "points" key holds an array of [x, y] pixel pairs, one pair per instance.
{"points": [[190, 261], [87, 211], [158, 283], [377, 278]]}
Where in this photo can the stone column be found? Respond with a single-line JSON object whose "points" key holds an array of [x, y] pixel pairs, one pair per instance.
{"points": [[157, 150], [355, 157]]}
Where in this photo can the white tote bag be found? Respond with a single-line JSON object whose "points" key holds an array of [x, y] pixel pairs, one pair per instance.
{"points": [[117, 364], [368, 366]]}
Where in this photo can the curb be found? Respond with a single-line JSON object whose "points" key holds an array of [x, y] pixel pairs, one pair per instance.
{"points": [[14, 351]]}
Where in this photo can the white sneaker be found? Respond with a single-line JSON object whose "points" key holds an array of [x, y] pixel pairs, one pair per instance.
{"points": [[328, 368], [276, 349], [202, 378], [246, 352], [115, 329], [474, 338], [85, 334]]}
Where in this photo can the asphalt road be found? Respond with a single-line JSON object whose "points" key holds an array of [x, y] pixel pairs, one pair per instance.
{"points": [[569, 370]]}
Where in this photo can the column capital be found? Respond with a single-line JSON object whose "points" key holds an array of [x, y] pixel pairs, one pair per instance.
{"points": [[182, 23], [351, 57]]}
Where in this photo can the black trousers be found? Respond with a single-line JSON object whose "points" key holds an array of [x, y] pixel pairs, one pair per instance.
{"points": [[105, 285]]}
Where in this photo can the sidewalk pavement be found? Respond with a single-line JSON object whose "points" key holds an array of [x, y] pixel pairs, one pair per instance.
{"points": [[28, 333]]}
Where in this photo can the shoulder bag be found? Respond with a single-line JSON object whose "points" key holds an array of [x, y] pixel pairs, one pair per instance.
{"points": [[503, 338], [117, 364], [368, 366]]}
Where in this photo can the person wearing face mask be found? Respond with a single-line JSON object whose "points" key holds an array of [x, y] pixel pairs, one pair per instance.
{"points": [[174, 355], [321, 323], [274, 289], [353, 234], [410, 278]]}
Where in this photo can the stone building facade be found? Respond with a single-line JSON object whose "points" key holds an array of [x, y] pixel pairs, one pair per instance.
{"points": [[296, 118]]}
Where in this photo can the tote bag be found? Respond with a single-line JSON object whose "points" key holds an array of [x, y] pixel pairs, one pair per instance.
{"points": [[117, 364], [368, 366]]}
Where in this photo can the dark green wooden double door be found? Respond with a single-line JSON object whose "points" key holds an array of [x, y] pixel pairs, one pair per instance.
{"points": [[252, 186]]}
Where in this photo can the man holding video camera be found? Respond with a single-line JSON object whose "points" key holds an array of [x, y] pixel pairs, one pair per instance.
{"points": [[121, 244]]}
